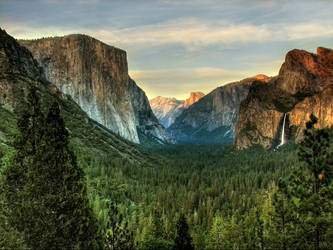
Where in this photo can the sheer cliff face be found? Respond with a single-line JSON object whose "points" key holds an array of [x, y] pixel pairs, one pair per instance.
{"points": [[168, 109], [213, 117], [19, 71], [95, 75], [304, 86]]}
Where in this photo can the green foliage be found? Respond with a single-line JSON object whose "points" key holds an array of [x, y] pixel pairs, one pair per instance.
{"points": [[200, 182], [44, 190], [283, 218], [225, 234], [311, 189], [251, 199], [156, 244], [9, 237], [118, 236]]}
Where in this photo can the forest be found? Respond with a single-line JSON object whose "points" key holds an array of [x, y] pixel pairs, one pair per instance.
{"points": [[55, 194]]}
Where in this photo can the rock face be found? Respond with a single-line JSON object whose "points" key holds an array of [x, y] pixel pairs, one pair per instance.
{"points": [[96, 76], [19, 71], [167, 109], [194, 97], [213, 118], [304, 86]]}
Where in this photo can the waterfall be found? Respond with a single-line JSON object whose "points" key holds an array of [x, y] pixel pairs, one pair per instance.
{"points": [[282, 134]]}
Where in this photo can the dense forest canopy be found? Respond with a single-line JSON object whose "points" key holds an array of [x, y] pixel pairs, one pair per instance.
{"points": [[192, 196]]}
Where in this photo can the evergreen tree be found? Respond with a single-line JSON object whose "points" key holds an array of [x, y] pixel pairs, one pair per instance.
{"points": [[45, 190], [283, 218], [118, 236], [183, 240], [216, 236], [311, 188]]}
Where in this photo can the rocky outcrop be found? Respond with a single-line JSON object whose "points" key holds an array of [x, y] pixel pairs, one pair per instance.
{"points": [[194, 97], [167, 109], [96, 76], [213, 118], [19, 71], [304, 86]]}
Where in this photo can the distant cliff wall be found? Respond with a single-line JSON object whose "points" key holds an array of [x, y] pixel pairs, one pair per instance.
{"points": [[95, 75], [304, 86], [213, 118]]}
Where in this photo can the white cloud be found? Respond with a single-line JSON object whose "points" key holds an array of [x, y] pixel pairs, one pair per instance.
{"points": [[196, 33], [190, 32], [309, 30]]}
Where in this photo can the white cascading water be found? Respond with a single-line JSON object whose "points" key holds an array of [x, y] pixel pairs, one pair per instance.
{"points": [[282, 134]]}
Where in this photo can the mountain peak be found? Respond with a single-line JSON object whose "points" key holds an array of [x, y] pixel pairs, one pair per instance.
{"points": [[262, 77], [194, 97]]}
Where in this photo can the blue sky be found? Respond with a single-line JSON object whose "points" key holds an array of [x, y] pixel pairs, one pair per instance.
{"points": [[178, 46]]}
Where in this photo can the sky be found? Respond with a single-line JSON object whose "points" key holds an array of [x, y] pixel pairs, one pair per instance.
{"points": [[175, 47]]}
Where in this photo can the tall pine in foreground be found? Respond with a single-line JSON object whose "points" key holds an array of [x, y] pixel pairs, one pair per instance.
{"points": [[44, 189], [311, 187]]}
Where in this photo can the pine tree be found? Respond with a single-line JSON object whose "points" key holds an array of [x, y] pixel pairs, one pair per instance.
{"points": [[216, 236], [45, 188], [118, 236], [282, 217], [183, 240], [311, 188]]}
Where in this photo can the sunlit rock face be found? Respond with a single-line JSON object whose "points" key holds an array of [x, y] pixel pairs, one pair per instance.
{"points": [[213, 118], [194, 97], [19, 71], [167, 109], [96, 76], [304, 86]]}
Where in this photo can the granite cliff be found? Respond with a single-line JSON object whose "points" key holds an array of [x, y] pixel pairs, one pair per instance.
{"points": [[213, 118], [96, 76], [304, 86], [19, 71], [167, 109]]}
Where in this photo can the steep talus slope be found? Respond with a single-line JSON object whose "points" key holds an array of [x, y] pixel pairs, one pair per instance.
{"points": [[304, 86], [96, 76], [167, 109], [213, 118], [18, 72]]}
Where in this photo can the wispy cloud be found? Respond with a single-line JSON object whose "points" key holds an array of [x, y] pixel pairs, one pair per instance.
{"points": [[196, 33], [192, 33], [176, 46]]}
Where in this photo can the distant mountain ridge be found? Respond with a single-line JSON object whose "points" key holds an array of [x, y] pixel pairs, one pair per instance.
{"points": [[96, 76], [213, 118], [167, 109]]}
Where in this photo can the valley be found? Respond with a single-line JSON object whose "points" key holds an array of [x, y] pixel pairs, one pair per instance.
{"points": [[88, 162]]}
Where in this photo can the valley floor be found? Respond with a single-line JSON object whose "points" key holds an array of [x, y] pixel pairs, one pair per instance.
{"points": [[209, 184]]}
